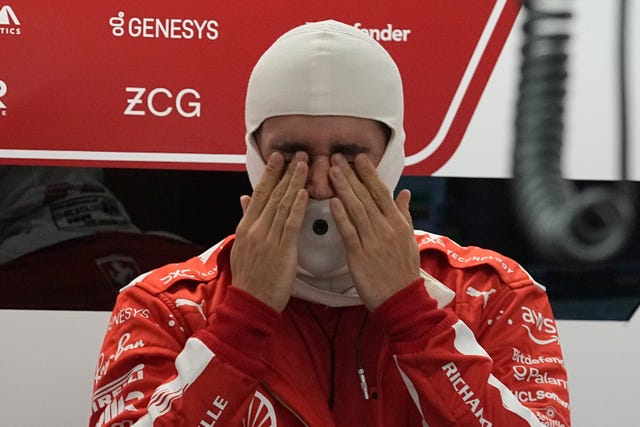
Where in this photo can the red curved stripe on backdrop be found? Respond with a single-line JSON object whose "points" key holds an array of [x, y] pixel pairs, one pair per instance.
{"points": [[472, 96]]}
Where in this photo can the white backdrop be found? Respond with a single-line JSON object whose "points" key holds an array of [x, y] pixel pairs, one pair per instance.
{"points": [[48, 362]]}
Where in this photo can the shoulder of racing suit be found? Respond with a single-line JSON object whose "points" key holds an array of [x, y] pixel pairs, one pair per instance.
{"points": [[185, 287], [442, 253]]}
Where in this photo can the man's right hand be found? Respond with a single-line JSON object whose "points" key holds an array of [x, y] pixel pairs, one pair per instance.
{"points": [[264, 256]]}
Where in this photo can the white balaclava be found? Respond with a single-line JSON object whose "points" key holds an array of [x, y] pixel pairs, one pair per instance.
{"points": [[326, 68]]}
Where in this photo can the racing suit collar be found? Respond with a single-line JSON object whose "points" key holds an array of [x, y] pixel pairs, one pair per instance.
{"points": [[316, 294]]}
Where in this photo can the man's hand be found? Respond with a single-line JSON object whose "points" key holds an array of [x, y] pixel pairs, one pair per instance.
{"points": [[264, 255], [382, 253]]}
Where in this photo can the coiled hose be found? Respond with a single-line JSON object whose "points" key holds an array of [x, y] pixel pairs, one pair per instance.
{"points": [[564, 225]]}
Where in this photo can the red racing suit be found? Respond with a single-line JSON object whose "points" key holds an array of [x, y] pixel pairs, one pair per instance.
{"points": [[185, 347]]}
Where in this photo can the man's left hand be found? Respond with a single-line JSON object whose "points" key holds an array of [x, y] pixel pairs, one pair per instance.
{"points": [[381, 250]]}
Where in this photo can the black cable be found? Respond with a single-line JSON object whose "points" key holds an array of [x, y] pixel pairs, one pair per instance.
{"points": [[564, 225], [622, 88], [332, 355]]}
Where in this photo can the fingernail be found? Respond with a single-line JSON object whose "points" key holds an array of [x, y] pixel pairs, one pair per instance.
{"points": [[337, 159], [361, 160]]}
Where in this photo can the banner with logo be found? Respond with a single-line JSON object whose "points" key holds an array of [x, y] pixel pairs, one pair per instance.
{"points": [[161, 84]]}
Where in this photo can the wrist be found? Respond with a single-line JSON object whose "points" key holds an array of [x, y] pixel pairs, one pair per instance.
{"points": [[239, 329], [411, 316]]}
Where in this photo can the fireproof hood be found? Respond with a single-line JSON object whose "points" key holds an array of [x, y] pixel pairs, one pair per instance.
{"points": [[326, 68]]}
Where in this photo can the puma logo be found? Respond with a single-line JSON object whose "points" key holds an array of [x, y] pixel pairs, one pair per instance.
{"points": [[484, 294]]}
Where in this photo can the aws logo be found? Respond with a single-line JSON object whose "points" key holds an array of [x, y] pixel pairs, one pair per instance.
{"points": [[9, 22], [542, 330]]}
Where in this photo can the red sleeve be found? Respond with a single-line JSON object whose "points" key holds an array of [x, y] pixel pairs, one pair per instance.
{"points": [[508, 371], [151, 373]]}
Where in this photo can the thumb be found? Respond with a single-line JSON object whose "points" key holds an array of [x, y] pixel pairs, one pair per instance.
{"points": [[402, 203], [244, 203]]}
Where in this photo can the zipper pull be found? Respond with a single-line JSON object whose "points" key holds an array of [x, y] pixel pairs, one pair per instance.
{"points": [[363, 384]]}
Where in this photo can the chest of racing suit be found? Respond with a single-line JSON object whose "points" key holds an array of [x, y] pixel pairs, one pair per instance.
{"points": [[478, 346]]}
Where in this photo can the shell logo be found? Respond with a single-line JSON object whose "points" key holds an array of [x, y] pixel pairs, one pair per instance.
{"points": [[261, 412]]}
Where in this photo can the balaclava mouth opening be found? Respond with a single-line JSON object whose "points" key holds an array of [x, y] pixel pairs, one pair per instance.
{"points": [[326, 68]]}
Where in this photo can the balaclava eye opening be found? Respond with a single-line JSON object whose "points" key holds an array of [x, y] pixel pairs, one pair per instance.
{"points": [[326, 68]]}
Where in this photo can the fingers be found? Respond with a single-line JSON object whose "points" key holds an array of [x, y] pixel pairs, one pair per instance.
{"points": [[366, 198], [379, 191], [286, 200], [402, 202], [362, 190], [365, 182], [244, 203], [294, 220], [267, 183], [345, 227], [354, 197], [274, 188]]}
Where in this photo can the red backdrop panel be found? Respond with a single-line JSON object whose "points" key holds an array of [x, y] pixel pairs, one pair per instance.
{"points": [[161, 84]]}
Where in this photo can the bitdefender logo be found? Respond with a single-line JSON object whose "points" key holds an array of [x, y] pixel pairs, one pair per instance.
{"points": [[9, 22]]}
